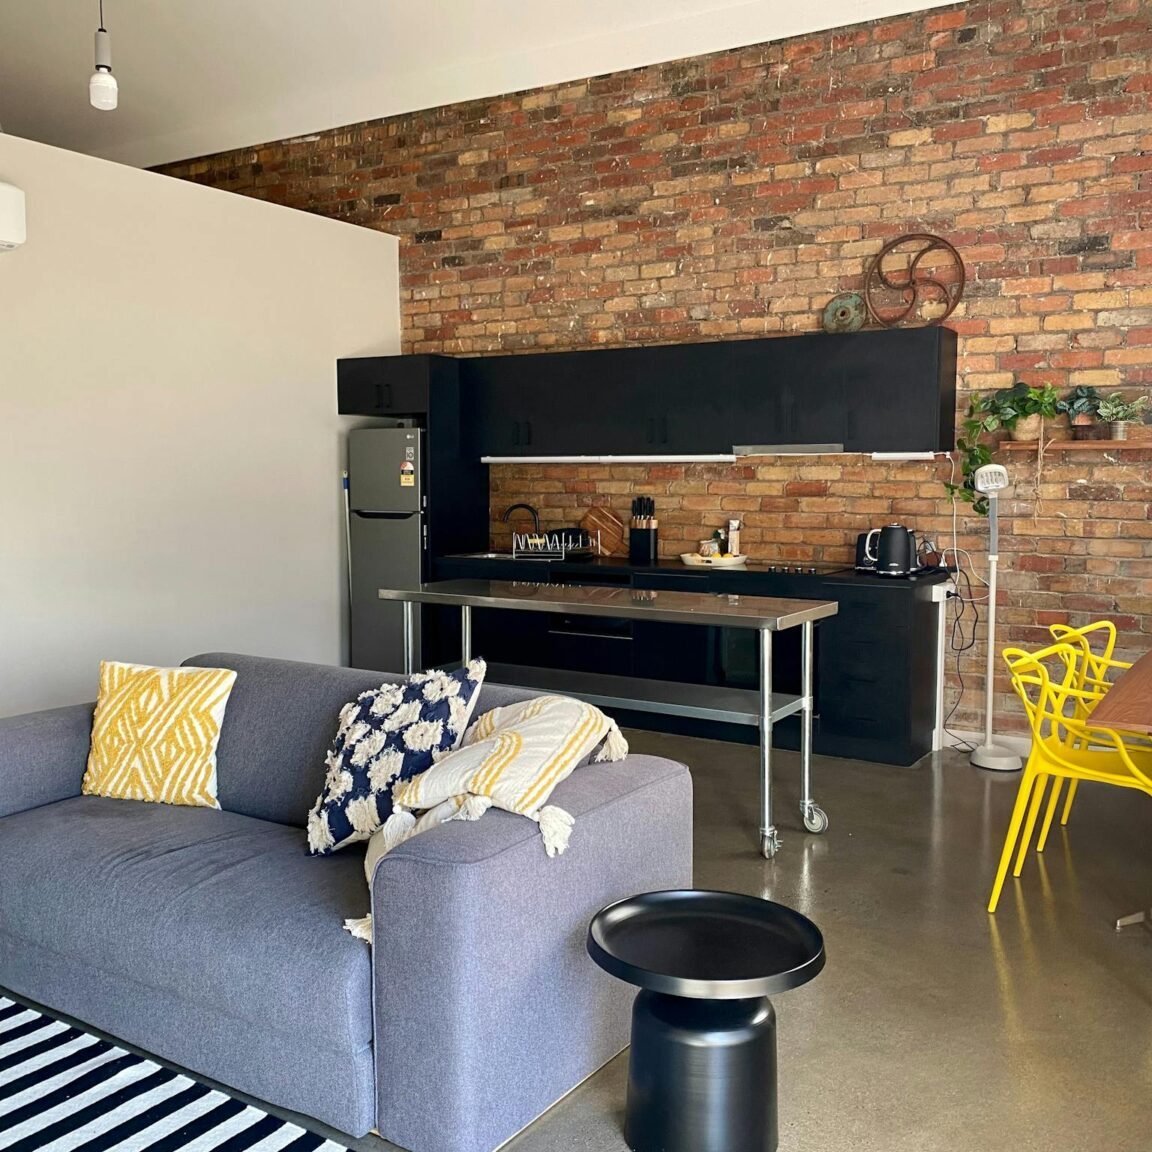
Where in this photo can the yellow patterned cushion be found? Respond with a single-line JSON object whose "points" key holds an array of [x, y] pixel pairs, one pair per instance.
{"points": [[155, 733]]}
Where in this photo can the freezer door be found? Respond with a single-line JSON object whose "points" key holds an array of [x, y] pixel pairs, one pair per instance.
{"points": [[387, 551], [384, 472]]}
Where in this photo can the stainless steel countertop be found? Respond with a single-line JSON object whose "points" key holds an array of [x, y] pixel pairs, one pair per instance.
{"points": [[774, 613]]}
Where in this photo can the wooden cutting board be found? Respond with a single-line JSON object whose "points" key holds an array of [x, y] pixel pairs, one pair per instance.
{"points": [[610, 527]]}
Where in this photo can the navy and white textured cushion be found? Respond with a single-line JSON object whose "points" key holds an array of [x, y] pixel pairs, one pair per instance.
{"points": [[390, 733]]}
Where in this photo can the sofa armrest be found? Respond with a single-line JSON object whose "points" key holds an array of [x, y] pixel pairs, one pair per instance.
{"points": [[487, 1006], [43, 756]]}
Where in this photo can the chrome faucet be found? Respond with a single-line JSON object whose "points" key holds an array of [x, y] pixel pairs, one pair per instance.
{"points": [[527, 508]]}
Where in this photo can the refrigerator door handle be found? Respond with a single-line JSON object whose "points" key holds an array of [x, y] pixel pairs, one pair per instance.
{"points": [[374, 514]]}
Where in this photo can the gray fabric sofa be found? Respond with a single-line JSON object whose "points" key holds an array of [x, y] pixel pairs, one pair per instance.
{"points": [[211, 939]]}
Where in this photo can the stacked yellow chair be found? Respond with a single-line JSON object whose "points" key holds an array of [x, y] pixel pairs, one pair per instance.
{"points": [[1059, 686], [1096, 642]]}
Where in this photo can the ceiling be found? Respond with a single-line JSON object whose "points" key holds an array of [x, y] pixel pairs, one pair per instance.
{"points": [[203, 76]]}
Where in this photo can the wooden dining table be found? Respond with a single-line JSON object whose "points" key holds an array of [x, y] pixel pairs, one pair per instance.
{"points": [[1127, 706]]}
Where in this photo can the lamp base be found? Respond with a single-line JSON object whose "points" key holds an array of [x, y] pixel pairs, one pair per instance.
{"points": [[996, 758]]}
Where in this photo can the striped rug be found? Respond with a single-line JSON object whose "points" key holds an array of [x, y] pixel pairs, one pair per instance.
{"points": [[63, 1090]]}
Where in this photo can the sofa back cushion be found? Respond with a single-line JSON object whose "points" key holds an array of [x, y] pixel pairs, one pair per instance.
{"points": [[281, 718]]}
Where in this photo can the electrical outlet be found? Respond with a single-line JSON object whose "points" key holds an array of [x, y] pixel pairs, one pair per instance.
{"points": [[944, 590]]}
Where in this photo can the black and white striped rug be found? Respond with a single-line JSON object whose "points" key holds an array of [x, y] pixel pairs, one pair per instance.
{"points": [[63, 1090]]}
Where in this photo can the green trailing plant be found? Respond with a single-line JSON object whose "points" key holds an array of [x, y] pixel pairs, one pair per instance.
{"points": [[1117, 407], [1082, 401], [973, 454]]}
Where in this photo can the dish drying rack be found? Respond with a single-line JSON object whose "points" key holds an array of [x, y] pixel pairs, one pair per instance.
{"points": [[551, 546]]}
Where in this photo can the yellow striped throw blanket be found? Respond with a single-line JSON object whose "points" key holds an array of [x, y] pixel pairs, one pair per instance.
{"points": [[512, 758]]}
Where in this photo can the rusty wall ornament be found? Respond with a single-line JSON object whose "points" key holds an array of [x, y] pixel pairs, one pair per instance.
{"points": [[914, 281], [845, 313]]}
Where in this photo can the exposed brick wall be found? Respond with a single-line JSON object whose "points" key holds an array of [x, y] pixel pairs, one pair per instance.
{"points": [[733, 194]]}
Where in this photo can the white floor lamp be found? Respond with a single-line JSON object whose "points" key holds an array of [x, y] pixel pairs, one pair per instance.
{"points": [[989, 480]]}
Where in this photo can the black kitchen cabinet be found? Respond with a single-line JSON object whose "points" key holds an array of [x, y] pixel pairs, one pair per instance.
{"points": [[391, 385], [884, 390], [899, 390], [616, 402], [685, 653]]}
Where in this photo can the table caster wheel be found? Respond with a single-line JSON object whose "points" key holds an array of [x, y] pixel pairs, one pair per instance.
{"points": [[769, 844], [815, 819]]}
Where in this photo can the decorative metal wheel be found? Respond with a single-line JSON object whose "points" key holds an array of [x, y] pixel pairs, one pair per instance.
{"points": [[914, 281]]}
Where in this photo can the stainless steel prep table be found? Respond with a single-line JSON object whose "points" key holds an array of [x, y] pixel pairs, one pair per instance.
{"points": [[765, 614]]}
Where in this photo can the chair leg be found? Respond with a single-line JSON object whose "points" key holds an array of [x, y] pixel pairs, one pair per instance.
{"points": [[1068, 803], [1018, 811], [1053, 797], [1030, 826]]}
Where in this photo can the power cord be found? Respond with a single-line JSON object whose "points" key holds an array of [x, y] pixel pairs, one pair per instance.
{"points": [[959, 644]]}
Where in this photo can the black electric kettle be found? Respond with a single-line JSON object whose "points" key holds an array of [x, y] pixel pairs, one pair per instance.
{"points": [[891, 550]]}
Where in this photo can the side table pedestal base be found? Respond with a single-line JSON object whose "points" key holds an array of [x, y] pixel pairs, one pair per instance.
{"points": [[701, 1075]]}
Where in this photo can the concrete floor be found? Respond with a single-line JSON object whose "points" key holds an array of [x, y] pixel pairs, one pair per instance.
{"points": [[934, 1027]]}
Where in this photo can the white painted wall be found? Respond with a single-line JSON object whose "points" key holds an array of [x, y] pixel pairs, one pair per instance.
{"points": [[169, 446]]}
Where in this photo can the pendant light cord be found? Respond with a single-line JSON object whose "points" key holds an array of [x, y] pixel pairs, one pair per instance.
{"points": [[102, 28]]}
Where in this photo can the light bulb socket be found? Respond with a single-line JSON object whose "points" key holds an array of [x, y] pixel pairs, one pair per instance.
{"points": [[103, 51]]}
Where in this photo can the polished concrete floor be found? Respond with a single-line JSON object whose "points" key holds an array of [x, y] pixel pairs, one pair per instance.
{"points": [[934, 1027]]}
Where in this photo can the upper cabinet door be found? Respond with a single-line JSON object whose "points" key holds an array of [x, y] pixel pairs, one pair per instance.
{"points": [[385, 385], [899, 390]]}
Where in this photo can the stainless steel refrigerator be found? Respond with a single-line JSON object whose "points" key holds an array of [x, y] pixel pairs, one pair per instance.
{"points": [[388, 541]]}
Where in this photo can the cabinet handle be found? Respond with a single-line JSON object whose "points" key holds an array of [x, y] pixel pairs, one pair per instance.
{"points": [[388, 403], [527, 431], [663, 429]]}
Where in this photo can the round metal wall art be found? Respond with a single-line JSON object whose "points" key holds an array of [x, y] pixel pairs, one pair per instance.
{"points": [[845, 313], [914, 281]]}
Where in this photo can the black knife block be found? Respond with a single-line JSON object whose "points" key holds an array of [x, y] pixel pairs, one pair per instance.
{"points": [[643, 545]]}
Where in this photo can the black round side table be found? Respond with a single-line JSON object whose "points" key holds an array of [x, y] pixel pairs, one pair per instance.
{"points": [[702, 1068]]}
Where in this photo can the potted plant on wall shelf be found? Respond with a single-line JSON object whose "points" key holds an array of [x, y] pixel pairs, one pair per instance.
{"points": [[1080, 406], [1020, 410], [1119, 412]]}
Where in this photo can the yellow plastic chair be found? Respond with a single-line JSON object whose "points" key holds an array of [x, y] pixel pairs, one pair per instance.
{"points": [[1065, 744], [1093, 677]]}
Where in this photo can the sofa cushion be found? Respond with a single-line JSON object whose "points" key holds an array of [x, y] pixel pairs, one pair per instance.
{"points": [[279, 725], [388, 734], [154, 733], [207, 906]]}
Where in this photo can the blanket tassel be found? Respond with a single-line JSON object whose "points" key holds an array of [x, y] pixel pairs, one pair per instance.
{"points": [[615, 747], [555, 828]]}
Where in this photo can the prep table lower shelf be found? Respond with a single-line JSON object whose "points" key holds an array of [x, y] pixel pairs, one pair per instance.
{"points": [[669, 697]]}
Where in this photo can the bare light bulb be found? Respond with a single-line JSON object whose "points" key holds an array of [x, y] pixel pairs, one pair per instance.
{"points": [[103, 90]]}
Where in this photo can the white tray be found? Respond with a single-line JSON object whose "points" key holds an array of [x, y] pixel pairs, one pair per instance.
{"points": [[694, 560]]}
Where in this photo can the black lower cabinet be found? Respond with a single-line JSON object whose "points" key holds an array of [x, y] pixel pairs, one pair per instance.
{"points": [[874, 665]]}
